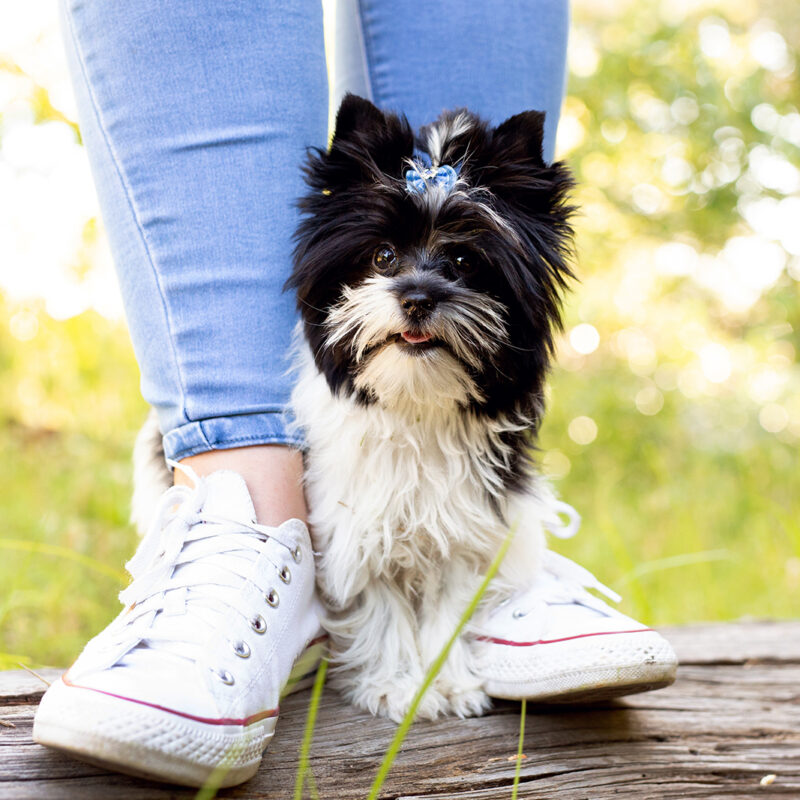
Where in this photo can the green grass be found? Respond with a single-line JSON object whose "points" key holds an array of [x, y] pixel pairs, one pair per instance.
{"points": [[517, 769], [63, 544], [686, 522], [304, 773]]}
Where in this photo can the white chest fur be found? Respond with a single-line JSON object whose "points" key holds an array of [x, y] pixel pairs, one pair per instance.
{"points": [[397, 492]]}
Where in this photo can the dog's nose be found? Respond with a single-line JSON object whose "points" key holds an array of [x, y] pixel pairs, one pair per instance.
{"points": [[417, 303]]}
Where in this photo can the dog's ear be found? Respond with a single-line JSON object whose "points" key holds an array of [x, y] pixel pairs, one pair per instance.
{"points": [[357, 117], [533, 197], [512, 167], [521, 137], [368, 147]]}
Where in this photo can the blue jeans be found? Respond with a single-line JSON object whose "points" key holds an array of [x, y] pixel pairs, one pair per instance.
{"points": [[196, 116]]}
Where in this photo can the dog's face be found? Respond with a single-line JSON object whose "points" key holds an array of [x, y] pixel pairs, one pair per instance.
{"points": [[440, 286]]}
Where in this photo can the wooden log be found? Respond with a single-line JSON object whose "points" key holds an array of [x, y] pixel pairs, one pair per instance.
{"points": [[731, 719]]}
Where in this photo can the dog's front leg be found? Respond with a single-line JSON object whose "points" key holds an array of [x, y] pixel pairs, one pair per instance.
{"points": [[446, 596], [377, 663]]}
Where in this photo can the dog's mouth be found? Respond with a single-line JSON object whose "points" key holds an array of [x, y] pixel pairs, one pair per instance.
{"points": [[412, 342], [416, 337], [415, 341]]}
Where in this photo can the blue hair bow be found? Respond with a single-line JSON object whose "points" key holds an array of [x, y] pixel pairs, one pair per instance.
{"points": [[418, 180]]}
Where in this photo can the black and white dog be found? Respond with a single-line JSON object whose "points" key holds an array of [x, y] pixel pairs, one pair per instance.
{"points": [[428, 272]]}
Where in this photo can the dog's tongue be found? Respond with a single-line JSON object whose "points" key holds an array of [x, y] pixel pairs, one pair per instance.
{"points": [[415, 338]]}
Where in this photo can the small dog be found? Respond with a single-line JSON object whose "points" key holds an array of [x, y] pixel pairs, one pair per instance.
{"points": [[429, 274]]}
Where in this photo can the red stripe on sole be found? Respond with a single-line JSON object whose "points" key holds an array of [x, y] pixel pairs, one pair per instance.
{"points": [[510, 643], [272, 712]]}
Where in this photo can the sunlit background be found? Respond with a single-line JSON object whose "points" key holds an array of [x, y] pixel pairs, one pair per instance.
{"points": [[674, 420]]}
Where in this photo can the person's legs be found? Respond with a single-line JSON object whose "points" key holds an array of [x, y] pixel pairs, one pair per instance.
{"points": [[196, 116], [496, 59], [273, 474]]}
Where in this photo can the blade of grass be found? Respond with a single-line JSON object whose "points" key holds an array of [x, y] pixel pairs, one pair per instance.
{"points": [[434, 669], [517, 769], [674, 562], [312, 784], [64, 552], [303, 769], [616, 541], [208, 791], [34, 673], [302, 669], [784, 519]]}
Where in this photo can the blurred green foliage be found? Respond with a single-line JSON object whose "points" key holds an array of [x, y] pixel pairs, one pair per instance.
{"points": [[674, 416]]}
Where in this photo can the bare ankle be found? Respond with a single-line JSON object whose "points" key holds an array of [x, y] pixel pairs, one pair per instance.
{"points": [[273, 474]]}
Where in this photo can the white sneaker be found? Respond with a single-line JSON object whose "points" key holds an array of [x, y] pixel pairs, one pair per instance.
{"points": [[189, 675], [556, 642]]}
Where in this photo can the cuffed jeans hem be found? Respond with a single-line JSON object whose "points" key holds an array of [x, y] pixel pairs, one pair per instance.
{"points": [[223, 433]]}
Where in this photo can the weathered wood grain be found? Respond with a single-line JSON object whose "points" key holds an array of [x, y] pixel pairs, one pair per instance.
{"points": [[732, 717], [737, 642], [21, 686]]}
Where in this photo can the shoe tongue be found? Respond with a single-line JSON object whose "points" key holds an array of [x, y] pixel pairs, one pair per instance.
{"points": [[227, 497]]}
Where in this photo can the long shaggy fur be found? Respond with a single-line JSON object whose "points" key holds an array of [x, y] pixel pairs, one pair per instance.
{"points": [[421, 385], [151, 477]]}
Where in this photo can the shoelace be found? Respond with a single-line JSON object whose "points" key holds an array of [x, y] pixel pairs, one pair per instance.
{"points": [[193, 561], [571, 579]]}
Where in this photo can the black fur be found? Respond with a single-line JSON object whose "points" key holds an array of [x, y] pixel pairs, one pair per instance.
{"points": [[359, 200]]}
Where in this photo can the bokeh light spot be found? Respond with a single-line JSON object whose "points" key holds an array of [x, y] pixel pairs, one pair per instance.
{"points": [[649, 400], [773, 418], [649, 199], [23, 325], [613, 130], [582, 430], [769, 49], [570, 134], [555, 464], [582, 54], [715, 361], [715, 39], [584, 338], [685, 110]]}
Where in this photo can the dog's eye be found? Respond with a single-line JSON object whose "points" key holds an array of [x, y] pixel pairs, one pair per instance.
{"points": [[463, 264], [384, 258]]}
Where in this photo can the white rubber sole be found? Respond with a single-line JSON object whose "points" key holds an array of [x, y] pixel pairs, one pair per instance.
{"points": [[582, 669], [154, 743]]}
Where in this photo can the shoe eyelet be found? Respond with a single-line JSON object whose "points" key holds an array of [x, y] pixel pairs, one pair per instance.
{"points": [[241, 649], [224, 676], [272, 598], [285, 575], [258, 624], [518, 613], [297, 554]]}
